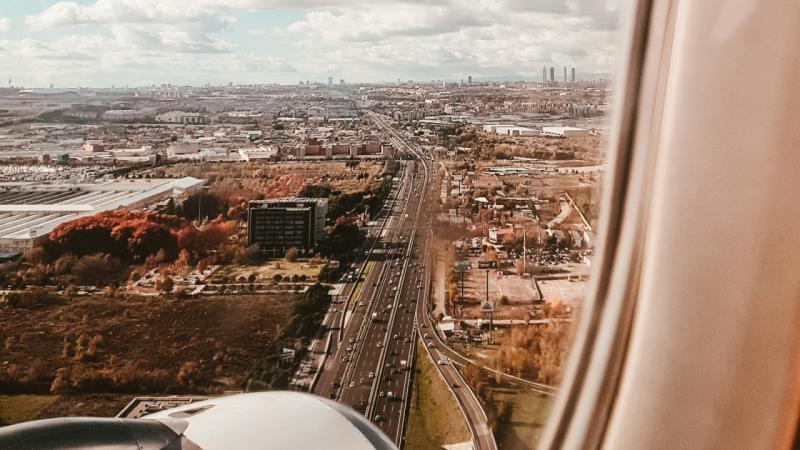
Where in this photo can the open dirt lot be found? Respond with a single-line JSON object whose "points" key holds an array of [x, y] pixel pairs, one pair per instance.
{"points": [[512, 295], [571, 292]]}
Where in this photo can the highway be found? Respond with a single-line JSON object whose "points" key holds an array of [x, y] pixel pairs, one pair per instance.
{"points": [[368, 351], [344, 324], [369, 368], [437, 350], [321, 366]]}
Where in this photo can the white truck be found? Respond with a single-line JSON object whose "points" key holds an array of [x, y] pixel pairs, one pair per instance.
{"points": [[404, 364]]}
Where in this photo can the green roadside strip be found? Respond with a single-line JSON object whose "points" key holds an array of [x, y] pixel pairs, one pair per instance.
{"points": [[434, 419], [22, 408], [354, 294]]}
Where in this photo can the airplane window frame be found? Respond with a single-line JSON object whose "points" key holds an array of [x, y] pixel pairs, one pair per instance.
{"points": [[583, 407]]}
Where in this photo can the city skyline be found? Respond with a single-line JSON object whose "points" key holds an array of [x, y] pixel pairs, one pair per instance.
{"points": [[103, 43]]}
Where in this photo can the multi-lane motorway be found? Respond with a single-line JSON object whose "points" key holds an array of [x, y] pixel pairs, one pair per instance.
{"points": [[370, 347]]}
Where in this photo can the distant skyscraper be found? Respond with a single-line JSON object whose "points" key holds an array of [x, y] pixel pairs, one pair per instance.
{"points": [[469, 80], [544, 74], [565, 74], [573, 74], [341, 81], [552, 74], [330, 81]]}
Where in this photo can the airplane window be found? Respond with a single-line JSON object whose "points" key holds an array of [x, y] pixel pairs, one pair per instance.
{"points": [[394, 206]]}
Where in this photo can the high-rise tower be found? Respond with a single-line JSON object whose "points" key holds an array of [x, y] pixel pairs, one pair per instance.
{"points": [[573, 74], [552, 74]]}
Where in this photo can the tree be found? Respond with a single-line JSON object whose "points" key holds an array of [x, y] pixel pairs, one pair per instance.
{"points": [[165, 284], [315, 191], [131, 236], [100, 269], [292, 254], [344, 238]]}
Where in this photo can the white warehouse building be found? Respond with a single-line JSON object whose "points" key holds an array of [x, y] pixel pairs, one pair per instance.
{"points": [[30, 211], [564, 131]]}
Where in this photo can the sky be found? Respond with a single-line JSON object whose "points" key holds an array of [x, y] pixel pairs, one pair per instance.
{"points": [[103, 43]]}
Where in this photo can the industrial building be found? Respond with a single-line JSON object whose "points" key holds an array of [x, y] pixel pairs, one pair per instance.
{"points": [[564, 131], [277, 225], [510, 130], [29, 211]]}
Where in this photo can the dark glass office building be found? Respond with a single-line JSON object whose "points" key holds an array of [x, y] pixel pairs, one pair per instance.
{"points": [[279, 224]]}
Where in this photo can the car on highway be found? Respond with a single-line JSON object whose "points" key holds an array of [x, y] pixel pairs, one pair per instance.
{"points": [[352, 384], [381, 395], [371, 375], [430, 345]]}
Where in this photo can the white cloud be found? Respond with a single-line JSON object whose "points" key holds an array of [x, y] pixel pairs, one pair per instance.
{"points": [[356, 40], [477, 37], [5, 24], [203, 15]]}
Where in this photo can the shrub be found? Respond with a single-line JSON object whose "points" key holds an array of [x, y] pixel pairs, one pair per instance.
{"points": [[292, 254]]}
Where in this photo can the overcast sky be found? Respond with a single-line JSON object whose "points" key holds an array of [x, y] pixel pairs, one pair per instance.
{"points": [[141, 42]]}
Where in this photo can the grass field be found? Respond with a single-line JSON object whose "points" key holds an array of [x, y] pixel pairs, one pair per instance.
{"points": [[529, 413], [309, 268], [140, 345], [435, 419], [21, 408]]}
